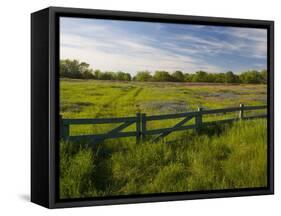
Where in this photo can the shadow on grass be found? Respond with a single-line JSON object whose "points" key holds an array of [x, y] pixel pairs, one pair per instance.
{"points": [[214, 129]]}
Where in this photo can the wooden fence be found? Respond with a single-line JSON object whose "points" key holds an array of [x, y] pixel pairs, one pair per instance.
{"points": [[141, 120]]}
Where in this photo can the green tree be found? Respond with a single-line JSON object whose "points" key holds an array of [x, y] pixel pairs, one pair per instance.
{"points": [[211, 77], [143, 76], [219, 78], [97, 74], [252, 76], [188, 77], [162, 76], [75, 69], [123, 76], [87, 75], [178, 76], [200, 76], [264, 76], [127, 77], [108, 76], [230, 77]]}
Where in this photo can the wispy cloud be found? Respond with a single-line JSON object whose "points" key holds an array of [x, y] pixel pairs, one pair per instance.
{"points": [[133, 46]]}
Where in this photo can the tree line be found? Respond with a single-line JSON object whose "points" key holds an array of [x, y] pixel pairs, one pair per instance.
{"points": [[81, 70]]}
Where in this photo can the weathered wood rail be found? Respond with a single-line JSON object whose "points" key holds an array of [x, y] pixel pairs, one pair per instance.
{"points": [[141, 120]]}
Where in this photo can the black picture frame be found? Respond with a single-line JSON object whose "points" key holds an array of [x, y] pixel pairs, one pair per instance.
{"points": [[45, 105]]}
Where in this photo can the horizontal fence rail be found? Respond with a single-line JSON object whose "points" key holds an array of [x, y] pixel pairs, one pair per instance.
{"points": [[140, 121]]}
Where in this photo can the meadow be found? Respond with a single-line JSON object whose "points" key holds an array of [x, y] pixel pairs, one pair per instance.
{"points": [[220, 157]]}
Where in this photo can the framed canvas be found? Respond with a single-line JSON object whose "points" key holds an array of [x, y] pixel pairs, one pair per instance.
{"points": [[138, 107]]}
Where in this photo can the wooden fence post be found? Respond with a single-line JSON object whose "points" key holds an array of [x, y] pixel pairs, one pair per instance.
{"points": [[143, 126], [138, 127], [64, 129], [198, 120], [241, 112]]}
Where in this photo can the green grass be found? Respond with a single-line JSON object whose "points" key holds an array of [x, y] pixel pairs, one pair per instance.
{"points": [[232, 157], [92, 98], [220, 157], [95, 99]]}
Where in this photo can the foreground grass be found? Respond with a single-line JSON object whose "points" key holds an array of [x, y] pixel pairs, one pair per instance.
{"points": [[221, 157]]}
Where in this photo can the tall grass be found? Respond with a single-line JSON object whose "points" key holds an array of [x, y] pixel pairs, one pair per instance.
{"points": [[220, 157], [77, 170]]}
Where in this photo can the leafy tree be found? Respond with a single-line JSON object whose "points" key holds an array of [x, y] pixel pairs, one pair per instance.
{"points": [[200, 76], [252, 76], [211, 77], [188, 77], [81, 70], [264, 76], [230, 77], [87, 75], [219, 78], [123, 76], [97, 74], [74, 69], [108, 76], [127, 77], [162, 76], [178, 76], [143, 76]]}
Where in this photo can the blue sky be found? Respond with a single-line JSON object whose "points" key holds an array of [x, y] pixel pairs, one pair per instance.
{"points": [[129, 46]]}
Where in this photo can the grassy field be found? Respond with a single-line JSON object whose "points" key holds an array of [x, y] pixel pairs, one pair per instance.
{"points": [[220, 157], [82, 98]]}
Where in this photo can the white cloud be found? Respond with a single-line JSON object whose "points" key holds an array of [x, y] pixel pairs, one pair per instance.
{"points": [[244, 42], [113, 54], [111, 48]]}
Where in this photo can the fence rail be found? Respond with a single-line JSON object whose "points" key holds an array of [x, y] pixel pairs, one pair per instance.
{"points": [[140, 120]]}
